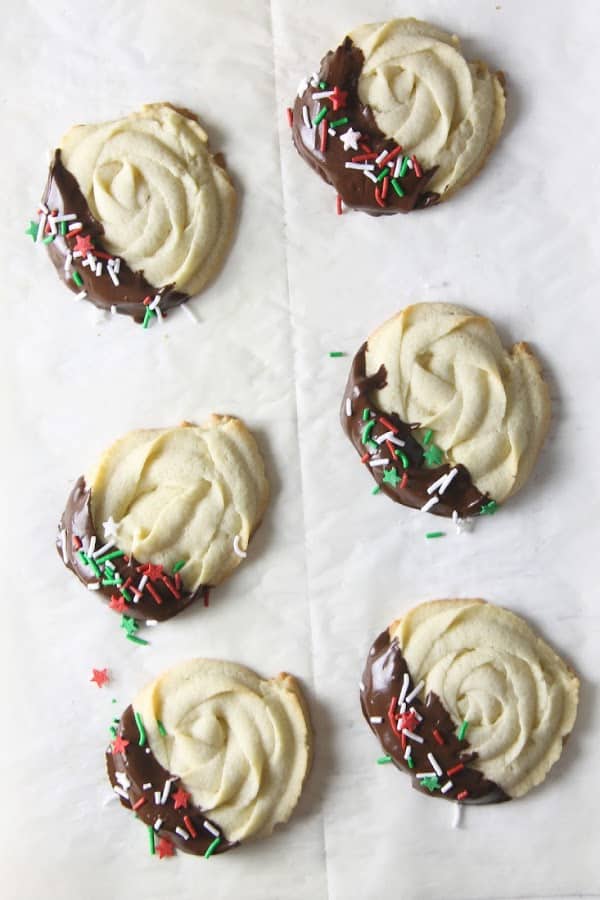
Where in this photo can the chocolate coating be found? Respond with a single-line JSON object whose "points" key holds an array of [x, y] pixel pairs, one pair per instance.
{"points": [[141, 767], [461, 495], [77, 525], [382, 680], [342, 68], [63, 193]]}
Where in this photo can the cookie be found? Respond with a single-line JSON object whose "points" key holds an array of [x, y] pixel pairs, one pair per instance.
{"points": [[164, 515], [445, 418], [210, 755], [397, 119], [137, 214], [466, 698]]}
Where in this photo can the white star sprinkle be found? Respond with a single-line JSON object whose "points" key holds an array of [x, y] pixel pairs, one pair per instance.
{"points": [[123, 780], [110, 528], [350, 139]]}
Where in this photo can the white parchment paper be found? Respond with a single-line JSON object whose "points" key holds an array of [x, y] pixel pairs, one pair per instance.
{"points": [[331, 565]]}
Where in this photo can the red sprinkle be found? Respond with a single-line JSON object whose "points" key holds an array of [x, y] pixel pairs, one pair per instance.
{"points": [[338, 205], [462, 795], [76, 542], [139, 803], [364, 157], [438, 736], [417, 168], [147, 300], [74, 231], [385, 187], [189, 826], [323, 145], [178, 581], [390, 447], [391, 155], [290, 116], [404, 481], [153, 593], [388, 424], [378, 199], [167, 583], [365, 148], [127, 584], [457, 768], [364, 458]]}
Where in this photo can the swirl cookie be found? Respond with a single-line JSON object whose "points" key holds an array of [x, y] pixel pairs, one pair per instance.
{"points": [[137, 214], [445, 419], [210, 755], [396, 119], [165, 514], [467, 699]]}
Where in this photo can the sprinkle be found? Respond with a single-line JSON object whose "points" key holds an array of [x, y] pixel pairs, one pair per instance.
{"points": [[427, 436], [376, 489], [456, 819], [404, 688], [404, 167], [151, 622], [412, 736], [431, 783], [462, 795], [136, 639], [446, 787], [457, 768], [154, 594], [140, 728], [190, 826], [112, 271], [320, 116], [379, 159], [323, 85], [489, 508], [182, 833], [323, 144], [236, 548], [437, 736], [157, 797], [348, 406], [321, 95], [343, 121], [177, 567], [98, 269], [306, 117], [93, 586], [139, 803], [404, 459], [370, 176], [166, 791], [379, 462], [290, 116], [121, 792], [397, 188], [415, 691], [41, 227], [161, 728], [391, 155], [416, 166], [364, 157], [384, 759], [435, 534], [77, 279], [68, 261], [336, 353], [366, 432], [155, 302], [211, 849], [383, 174], [210, 828], [410, 761], [434, 764], [157, 823], [463, 730], [76, 228], [414, 712], [376, 720], [360, 167], [430, 504], [147, 785]]}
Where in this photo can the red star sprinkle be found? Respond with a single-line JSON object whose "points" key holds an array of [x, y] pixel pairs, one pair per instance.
{"points": [[153, 572], [83, 244], [408, 721], [338, 98], [119, 745], [181, 798], [165, 848], [118, 603], [100, 676]]}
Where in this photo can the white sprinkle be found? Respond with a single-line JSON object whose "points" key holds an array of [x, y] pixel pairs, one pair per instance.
{"points": [[306, 117], [104, 549], [142, 583], [211, 829], [91, 259], [41, 228], [322, 94], [425, 775], [121, 792], [118, 265], [157, 823], [81, 295], [384, 437], [416, 714], [69, 217], [376, 720], [430, 504], [91, 546], [381, 157], [348, 406], [157, 797], [370, 176], [182, 833], [314, 79], [378, 462], [434, 763], [151, 622], [77, 254], [167, 790], [331, 132], [456, 820], [236, 548], [98, 269], [409, 164], [68, 261], [94, 586], [449, 479], [361, 685], [147, 785], [408, 752], [147, 751], [472, 503], [44, 208], [63, 545], [415, 691], [110, 528], [155, 302], [360, 167], [123, 780], [446, 787], [398, 166], [402, 708], [412, 736], [113, 277], [403, 690], [396, 441], [356, 391], [110, 565], [76, 225]]}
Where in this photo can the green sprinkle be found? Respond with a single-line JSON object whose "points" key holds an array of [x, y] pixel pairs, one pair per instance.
{"points": [[371, 445], [404, 167], [114, 700], [403, 458], [94, 567], [427, 437], [323, 85], [383, 173], [178, 565], [136, 639], [113, 555], [463, 730], [366, 432], [129, 624], [397, 188], [411, 762], [335, 353], [48, 239], [108, 582], [63, 228], [113, 731], [320, 115], [383, 759], [343, 121], [161, 728], [390, 476], [433, 455], [489, 509], [32, 230], [151, 840], [376, 489], [125, 593], [149, 314], [366, 414], [435, 534], [212, 847], [83, 557], [140, 728], [431, 783], [77, 279]]}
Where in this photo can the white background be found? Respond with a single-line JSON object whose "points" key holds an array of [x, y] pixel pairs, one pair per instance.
{"points": [[331, 565]]}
